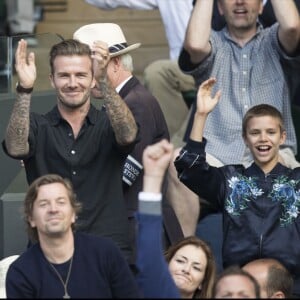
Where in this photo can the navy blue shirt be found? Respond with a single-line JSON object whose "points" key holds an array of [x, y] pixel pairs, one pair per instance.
{"points": [[99, 270]]}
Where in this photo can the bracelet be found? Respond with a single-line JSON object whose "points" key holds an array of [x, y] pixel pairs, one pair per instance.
{"points": [[23, 90]]}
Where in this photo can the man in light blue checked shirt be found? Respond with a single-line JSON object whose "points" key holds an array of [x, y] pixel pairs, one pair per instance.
{"points": [[245, 60]]}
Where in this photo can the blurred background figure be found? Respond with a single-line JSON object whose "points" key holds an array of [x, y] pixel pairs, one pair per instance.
{"points": [[20, 20], [17, 18], [20, 17], [174, 13]]}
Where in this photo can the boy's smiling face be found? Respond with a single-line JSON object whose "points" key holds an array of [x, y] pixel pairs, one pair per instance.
{"points": [[264, 137]]}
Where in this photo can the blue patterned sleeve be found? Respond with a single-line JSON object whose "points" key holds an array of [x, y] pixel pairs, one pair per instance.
{"points": [[193, 171]]}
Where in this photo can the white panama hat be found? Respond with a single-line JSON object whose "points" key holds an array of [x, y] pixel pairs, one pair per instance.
{"points": [[109, 33]]}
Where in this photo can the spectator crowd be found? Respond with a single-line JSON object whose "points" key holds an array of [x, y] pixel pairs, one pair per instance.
{"points": [[117, 194]]}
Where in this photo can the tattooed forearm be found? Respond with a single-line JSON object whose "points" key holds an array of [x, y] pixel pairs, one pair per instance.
{"points": [[16, 138], [119, 114]]}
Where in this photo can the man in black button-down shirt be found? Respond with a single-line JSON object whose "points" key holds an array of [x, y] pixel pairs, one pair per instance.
{"points": [[74, 139]]}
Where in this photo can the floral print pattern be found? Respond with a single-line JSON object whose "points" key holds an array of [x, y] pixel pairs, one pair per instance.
{"points": [[243, 190], [284, 190]]}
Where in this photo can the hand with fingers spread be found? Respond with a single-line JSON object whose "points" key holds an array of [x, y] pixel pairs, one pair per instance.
{"points": [[205, 101], [205, 104], [25, 65]]}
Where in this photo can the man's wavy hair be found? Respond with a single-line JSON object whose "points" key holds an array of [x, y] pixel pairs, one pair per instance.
{"points": [[69, 47], [32, 194]]}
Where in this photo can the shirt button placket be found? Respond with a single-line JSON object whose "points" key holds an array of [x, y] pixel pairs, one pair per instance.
{"points": [[73, 152]]}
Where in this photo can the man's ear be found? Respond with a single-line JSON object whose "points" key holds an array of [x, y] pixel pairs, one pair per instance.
{"points": [[74, 218], [51, 80], [31, 222], [116, 61], [245, 140], [283, 137], [261, 7], [93, 85], [220, 8]]}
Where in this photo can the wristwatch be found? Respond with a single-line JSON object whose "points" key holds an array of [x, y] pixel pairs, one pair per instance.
{"points": [[23, 90]]}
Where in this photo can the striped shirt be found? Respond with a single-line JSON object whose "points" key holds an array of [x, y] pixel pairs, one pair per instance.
{"points": [[247, 76]]}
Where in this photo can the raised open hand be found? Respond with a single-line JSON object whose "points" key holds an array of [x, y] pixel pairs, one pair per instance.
{"points": [[205, 101], [25, 65]]}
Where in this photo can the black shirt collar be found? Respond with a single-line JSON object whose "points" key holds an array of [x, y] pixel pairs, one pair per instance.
{"points": [[55, 117]]}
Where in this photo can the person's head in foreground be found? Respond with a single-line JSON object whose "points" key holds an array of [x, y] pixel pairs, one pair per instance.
{"points": [[50, 207], [234, 282], [274, 279], [192, 267]]}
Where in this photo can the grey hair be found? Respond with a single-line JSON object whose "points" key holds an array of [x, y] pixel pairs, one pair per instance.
{"points": [[127, 62]]}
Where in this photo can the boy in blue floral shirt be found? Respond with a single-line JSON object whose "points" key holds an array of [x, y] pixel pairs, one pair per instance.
{"points": [[260, 203]]}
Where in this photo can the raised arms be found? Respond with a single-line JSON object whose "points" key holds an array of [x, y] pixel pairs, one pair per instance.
{"points": [[198, 31], [16, 137], [205, 104], [287, 15]]}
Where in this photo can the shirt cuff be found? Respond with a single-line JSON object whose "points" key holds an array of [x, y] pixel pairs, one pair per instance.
{"points": [[150, 203], [146, 196]]}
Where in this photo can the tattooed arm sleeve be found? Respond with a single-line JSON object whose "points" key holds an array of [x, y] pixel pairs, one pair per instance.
{"points": [[16, 137], [120, 116]]}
